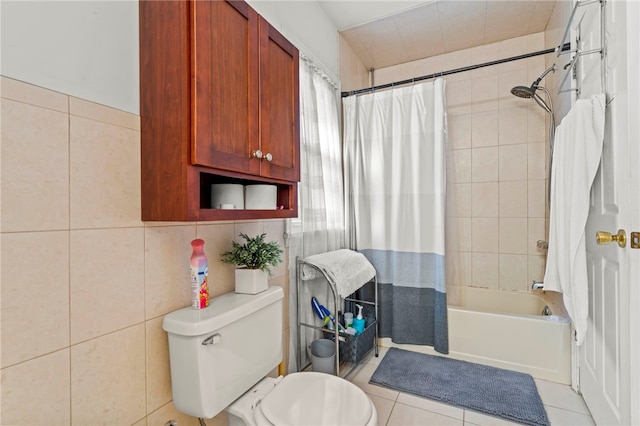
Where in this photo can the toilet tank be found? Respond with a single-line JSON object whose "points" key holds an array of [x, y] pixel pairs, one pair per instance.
{"points": [[218, 353]]}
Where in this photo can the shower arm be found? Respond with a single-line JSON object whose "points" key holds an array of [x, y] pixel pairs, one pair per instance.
{"points": [[552, 68]]}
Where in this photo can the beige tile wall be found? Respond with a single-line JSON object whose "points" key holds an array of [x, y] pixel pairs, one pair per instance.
{"points": [[85, 283], [354, 75], [498, 146]]}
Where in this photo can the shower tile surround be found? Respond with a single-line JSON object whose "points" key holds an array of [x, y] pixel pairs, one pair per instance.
{"points": [[85, 283], [499, 147]]}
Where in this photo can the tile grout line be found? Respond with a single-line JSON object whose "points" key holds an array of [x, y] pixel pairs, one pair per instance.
{"points": [[68, 231], [144, 307]]}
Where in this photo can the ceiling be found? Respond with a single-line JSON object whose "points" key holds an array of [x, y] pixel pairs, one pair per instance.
{"points": [[385, 33]]}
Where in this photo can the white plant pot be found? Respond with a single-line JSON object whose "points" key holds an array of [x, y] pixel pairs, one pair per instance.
{"points": [[251, 281]]}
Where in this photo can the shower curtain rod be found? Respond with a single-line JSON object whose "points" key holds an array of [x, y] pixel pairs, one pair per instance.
{"points": [[564, 47]]}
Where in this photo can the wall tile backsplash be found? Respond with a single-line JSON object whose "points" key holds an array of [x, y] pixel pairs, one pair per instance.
{"points": [[86, 283]]}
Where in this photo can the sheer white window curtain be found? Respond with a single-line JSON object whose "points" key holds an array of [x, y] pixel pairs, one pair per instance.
{"points": [[320, 224]]}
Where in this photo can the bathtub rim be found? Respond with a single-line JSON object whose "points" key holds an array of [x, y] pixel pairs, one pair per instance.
{"points": [[558, 372]]}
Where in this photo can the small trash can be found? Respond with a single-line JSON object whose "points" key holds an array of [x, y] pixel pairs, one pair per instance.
{"points": [[323, 356]]}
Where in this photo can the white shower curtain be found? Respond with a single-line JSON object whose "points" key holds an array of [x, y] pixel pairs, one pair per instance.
{"points": [[395, 184], [320, 224]]}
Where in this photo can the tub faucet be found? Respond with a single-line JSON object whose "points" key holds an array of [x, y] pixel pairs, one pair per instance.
{"points": [[537, 285]]}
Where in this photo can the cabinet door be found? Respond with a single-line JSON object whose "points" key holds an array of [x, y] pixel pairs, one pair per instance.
{"points": [[224, 76], [279, 105]]}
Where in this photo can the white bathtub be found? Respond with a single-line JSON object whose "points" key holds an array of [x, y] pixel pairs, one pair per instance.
{"points": [[506, 330]]}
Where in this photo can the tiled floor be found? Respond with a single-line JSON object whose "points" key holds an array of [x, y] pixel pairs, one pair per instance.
{"points": [[564, 407]]}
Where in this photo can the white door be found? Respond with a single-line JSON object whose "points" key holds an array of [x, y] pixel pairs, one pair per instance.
{"points": [[608, 359]]}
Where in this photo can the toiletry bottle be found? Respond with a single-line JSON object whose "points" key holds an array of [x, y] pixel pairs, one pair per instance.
{"points": [[348, 319], [358, 321], [199, 276]]}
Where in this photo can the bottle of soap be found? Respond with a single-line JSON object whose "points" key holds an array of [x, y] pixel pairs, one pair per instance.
{"points": [[199, 275], [358, 321]]}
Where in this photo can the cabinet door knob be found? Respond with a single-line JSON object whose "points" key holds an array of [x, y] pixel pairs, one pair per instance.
{"points": [[268, 156], [257, 154]]}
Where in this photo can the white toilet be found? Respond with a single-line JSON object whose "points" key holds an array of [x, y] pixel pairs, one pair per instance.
{"points": [[220, 356]]}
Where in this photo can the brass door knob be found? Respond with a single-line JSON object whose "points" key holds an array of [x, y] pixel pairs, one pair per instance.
{"points": [[603, 237]]}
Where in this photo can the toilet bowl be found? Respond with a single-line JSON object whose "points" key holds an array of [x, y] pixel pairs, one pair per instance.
{"points": [[220, 358], [303, 399]]}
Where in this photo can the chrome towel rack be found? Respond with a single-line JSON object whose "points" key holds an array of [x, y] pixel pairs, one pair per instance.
{"points": [[577, 15]]}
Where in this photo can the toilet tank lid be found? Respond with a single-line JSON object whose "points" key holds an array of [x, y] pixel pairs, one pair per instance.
{"points": [[222, 311]]}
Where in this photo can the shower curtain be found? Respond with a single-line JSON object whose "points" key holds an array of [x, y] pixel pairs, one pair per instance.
{"points": [[320, 224], [395, 184]]}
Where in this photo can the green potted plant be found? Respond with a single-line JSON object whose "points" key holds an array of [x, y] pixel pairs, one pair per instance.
{"points": [[253, 261]]}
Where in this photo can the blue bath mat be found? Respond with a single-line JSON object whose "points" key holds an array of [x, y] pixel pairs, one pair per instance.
{"points": [[494, 391]]}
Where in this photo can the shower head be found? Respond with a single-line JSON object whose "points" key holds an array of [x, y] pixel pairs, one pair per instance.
{"points": [[529, 92], [524, 91]]}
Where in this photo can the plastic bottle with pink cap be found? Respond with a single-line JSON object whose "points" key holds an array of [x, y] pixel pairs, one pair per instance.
{"points": [[199, 275]]}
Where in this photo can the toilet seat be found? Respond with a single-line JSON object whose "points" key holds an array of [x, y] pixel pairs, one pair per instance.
{"points": [[306, 398], [316, 399]]}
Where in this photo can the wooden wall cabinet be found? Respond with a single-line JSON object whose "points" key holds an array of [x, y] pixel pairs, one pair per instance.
{"points": [[219, 104]]}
